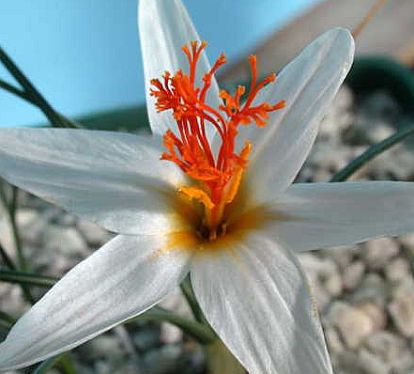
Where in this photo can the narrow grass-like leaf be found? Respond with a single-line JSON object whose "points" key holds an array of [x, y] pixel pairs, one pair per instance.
{"points": [[10, 207], [30, 93], [25, 278], [374, 151], [7, 259], [200, 332], [187, 290]]}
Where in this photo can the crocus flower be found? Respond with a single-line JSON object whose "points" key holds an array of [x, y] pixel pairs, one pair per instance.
{"points": [[220, 203]]}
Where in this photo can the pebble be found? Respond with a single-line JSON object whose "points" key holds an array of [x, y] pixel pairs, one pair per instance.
{"points": [[401, 308], [32, 226], [371, 364], [376, 313], [101, 347], [379, 252], [372, 288], [170, 334], [353, 324], [66, 240], [94, 235], [163, 360], [407, 241], [386, 345], [146, 339], [353, 275], [397, 270]]}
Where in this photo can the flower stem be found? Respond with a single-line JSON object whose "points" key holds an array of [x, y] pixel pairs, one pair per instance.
{"points": [[15, 91], [11, 211], [23, 264], [31, 94], [187, 290], [406, 129], [24, 278], [6, 259], [202, 333]]}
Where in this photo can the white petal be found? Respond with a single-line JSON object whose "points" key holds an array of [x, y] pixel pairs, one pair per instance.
{"points": [[121, 280], [165, 27], [308, 84], [256, 299], [332, 214], [110, 178]]}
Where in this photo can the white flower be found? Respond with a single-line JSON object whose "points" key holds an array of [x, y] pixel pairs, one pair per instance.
{"points": [[242, 259]]}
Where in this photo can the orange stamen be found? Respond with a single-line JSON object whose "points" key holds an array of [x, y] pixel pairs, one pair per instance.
{"points": [[216, 177]]}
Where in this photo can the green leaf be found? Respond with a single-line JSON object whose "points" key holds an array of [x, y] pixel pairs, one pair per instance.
{"points": [[11, 207], [46, 365], [374, 151], [187, 290], [64, 362], [30, 92], [24, 278], [200, 332], [6, 258]]}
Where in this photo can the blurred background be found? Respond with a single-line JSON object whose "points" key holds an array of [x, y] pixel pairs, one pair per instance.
{"points": [[84, 57]]}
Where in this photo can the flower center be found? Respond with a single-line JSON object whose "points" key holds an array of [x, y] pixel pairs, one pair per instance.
{"points": [[215, 175]]}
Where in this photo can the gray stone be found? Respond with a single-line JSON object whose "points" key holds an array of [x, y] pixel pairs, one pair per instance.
{"points": [[102, 347], [401, 308], [379, 252], [164, 360], [397, 270], [333, 341], [353, 274], [404, 364], [347, 363], [324, 271], [379, 132], [373, 288], [343, 256], [65, 240], [386, 345], [371, 364], [25, 217], [93, 234], [130, 368], [103, 367], [66, 219], [375, 312], [12, 300], [407, 241], [146, 339], [353, 324], [32, 226], [170, 334]]}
